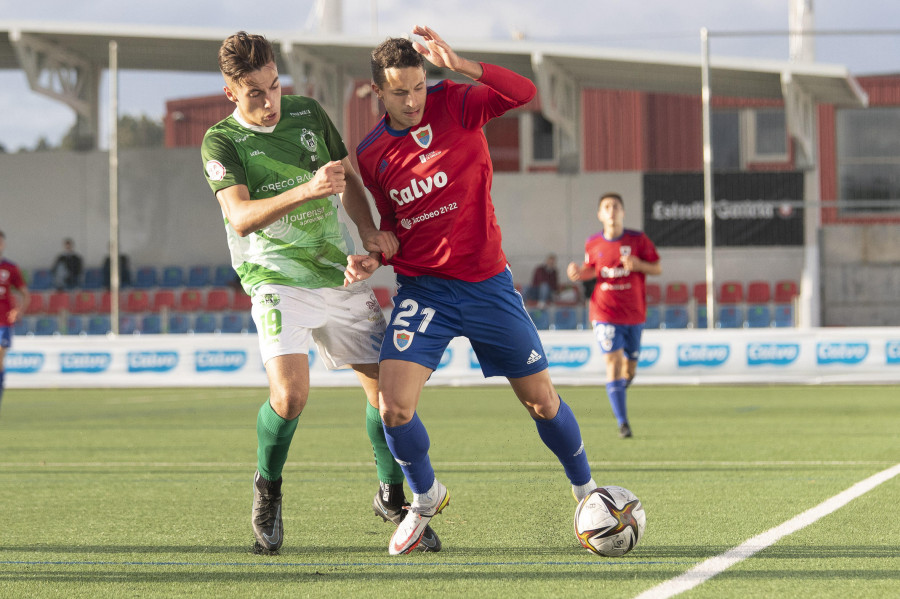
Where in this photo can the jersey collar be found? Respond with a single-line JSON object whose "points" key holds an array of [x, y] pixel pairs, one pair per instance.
{"points": [[245, 124]]}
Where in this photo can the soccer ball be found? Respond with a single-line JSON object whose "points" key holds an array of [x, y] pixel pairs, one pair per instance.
{"points": [[610, 521]]}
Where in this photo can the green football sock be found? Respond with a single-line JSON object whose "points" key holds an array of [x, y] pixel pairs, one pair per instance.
{"points": [[388, 469], [274, 435]]}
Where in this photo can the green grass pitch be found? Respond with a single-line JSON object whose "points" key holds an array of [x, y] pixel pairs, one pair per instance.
{"points": [[147, 493]]}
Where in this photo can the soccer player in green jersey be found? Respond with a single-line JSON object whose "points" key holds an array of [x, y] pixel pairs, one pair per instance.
{"points": [[281, 172]]}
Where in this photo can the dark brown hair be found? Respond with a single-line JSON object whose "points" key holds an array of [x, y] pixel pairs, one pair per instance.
{"points": [[394, 52], [244, 53], [612, 195]]}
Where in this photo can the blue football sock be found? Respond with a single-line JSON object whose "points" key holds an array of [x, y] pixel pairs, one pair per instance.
{"points": [[616, 392], [409, 443], [562, 436]]}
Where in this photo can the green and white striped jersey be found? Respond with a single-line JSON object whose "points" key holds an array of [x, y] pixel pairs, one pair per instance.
{"points": [[307, 247]]}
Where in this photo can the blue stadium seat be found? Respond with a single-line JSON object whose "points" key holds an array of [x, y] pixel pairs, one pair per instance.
{"points": [[701, 316], [675, 317], [653, 318], [541, 318], [46, 325], [128, 324], [251, 325], [758, 316], [146, 277], [731, 316], [74, 325], [93, 279], [205, 322], [784, 315], [224, 275], [24, 326], [151, 324], [199, 276], [566, 318], [172, 276], [179, 323], [98, 325], [232, 322], [42, 280]]}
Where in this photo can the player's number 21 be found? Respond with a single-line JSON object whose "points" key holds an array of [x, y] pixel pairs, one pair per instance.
{"points": [[410, 307]]}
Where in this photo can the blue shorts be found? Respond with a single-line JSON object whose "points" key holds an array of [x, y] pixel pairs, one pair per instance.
{"points": [[5, 339], [613, 337], [429, 312]]}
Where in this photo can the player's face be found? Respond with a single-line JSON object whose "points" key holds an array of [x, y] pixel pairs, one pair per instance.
{"points": [[258, 97], [611, 214], [403, 94]]}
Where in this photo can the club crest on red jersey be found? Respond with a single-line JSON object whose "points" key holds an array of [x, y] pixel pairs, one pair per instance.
{"points": [[422, 136], [403, 339]]}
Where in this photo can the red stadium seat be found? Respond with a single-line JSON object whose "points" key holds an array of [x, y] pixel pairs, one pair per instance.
{"points": [[700, 292], [137, 300], [190, 300], [37, 304], [163, 298], [731, 292], [85, 303], [59, 301], [217, 300], [786, 291], [759, 292], [105, 302], [241, 301], [654, 294], [676, 293]]}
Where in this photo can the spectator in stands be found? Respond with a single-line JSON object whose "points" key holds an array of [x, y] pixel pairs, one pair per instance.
{"points": [[124, 271], [619, 259], [544, 282], [67, 267], [11, 282]]}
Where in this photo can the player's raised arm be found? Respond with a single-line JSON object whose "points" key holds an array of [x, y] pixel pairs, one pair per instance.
{"points": [[440, 54]]}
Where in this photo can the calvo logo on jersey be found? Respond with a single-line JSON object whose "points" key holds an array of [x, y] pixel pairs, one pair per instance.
{"points": [[841, 352], [649, 356], [403, 339], [701, 354], [24, 362], [422, 136]]}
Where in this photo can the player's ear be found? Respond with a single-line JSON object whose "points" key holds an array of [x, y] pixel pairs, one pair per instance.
{"points": [[230, 94], [376, 90]]}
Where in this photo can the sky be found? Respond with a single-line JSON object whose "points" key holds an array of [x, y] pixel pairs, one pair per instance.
{"points": [[657, 25]]}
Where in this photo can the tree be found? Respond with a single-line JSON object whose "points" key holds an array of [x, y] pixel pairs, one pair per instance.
{"points": [[134, 132]]}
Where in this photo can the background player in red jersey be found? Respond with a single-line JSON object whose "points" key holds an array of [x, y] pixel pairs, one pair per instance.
{"points": [[619, 259], [428, 167], [11, 282]]}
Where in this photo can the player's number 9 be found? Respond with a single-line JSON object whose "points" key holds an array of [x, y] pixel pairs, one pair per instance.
{"points": [[271, 323]]}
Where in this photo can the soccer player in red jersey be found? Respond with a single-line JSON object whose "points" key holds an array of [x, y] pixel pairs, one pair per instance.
{"points": [[11, 282], [619, 259], [428, 167]]}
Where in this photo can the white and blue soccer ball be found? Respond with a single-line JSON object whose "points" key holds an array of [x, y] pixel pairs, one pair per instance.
{"points": [[610, 521]]}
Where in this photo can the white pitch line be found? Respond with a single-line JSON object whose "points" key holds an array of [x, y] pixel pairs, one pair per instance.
{"points": [[718, 564]]}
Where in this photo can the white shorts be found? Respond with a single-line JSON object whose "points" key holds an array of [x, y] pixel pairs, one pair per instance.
{"points": [[346, 323]]}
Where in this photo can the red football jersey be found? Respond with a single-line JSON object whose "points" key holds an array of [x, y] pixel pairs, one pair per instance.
{"points": [[619, 296], [10, 277], [432, 183]]}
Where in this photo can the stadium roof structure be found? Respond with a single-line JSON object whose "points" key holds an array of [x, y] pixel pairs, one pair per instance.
{"points": [[65, 60]]}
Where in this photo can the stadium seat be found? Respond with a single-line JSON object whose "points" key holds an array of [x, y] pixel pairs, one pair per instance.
{"points": [[784, 315], [190, 300], [172, 276], [46, 325], [232, 322], [217, 300], [241, 301], [146, 277], [700, 321], [205, 322], [224, 275], [151, 324], [731, 292], [786, 291], [24, 326], [128, 324], [199, 276], [162, 298], [42, 280], [731, 316], [759, 292], [384, 296], [98, 325], [37, 304], [105, 302], [676, 293], [93, 279], [85, 302], [699, 292], [59, 301], [653, 318], [758, 316], [566, 318], [654, 294], [179, 324], [541, 318], [675, 317], [137, 300], [74, 325]]}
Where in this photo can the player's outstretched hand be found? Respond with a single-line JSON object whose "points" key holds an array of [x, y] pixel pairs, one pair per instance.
{"points": [[328, 180], [359, 268]]}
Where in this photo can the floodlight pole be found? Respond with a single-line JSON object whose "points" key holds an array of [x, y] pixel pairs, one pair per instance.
{"points": [[708, 213], [114, 275]]}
